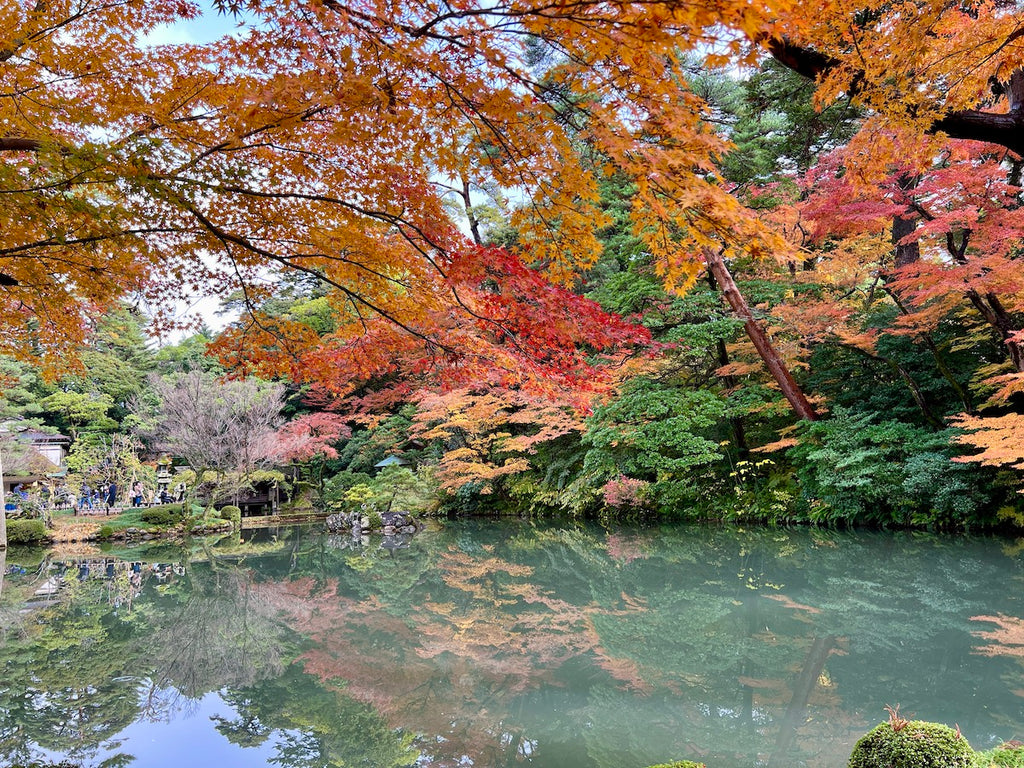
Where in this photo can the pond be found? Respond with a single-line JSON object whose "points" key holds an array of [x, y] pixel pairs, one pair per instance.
{"points": [[495, 644]]}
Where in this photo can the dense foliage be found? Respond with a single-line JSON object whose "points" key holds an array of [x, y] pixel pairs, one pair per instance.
{"points": [[710, 262]]}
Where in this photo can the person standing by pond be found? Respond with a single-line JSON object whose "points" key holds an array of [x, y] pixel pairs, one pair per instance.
{"points": [[111, 498], [85, 497]]}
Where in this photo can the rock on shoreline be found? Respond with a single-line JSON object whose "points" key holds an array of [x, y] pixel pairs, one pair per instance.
{"points": [[390, 523]]}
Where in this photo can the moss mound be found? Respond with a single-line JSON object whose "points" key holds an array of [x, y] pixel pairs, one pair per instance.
{"points": [[1009, 755], [916, 744]]}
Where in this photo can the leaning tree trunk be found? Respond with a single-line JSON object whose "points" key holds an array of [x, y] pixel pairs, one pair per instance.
{"points": [[805, 684], [776, 365], [3, 505]]}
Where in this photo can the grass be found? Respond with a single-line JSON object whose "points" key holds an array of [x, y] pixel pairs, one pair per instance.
{"points": [[126, 518], [69, 527]]}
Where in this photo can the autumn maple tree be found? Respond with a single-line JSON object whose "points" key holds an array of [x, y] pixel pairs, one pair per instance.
{"points": [[325, 138]]}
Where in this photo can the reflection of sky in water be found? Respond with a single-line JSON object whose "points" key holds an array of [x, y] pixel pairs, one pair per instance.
{"points": [[190, 738]]}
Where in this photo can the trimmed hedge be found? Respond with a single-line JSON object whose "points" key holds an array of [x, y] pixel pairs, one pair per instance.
{"points": [[232, 513], [26, 532], [916, 744], [165, 514]]}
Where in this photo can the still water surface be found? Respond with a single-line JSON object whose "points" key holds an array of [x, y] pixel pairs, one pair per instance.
{"points": [[497, 644]]}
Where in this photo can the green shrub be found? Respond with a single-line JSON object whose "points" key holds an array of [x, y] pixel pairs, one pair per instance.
{"points": [[336, 486], [1010, 755], [916, 744], [679, 764], [26, 531], [859, 468], [660, 436], [105, 532], [232, 513], [166, 514]]}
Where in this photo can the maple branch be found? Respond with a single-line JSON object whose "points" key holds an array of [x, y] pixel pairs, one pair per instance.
{"points": [[411, 232], [394, 219], [804, 61], [15, 144], [236, 142], [246, 244], [54, 242], [1006, 130], [292, 261]]}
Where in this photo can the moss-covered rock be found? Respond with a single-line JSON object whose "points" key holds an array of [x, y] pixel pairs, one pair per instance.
{"points": [[1009, 755], [208, 527], [917, 744]]}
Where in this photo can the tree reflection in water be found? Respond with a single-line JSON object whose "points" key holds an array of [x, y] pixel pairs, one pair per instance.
{"points": [[504, 644]]}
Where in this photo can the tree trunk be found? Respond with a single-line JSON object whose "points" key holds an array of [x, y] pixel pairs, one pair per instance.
{"points": [[738, 429], [1007, 130], [910, 253], [803, 687], [996, 316], [904, 374], [467, 201], [1005, 325], [1015, 91], [940, 362], [776, 365], [904, 225], [3, 506]]}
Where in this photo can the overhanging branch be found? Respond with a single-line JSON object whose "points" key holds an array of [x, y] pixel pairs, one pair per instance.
{"points": [[1006, 130], [14, 144]]}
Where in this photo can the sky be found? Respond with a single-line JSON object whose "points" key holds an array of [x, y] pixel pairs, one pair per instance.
{"points": [[208, 27]]}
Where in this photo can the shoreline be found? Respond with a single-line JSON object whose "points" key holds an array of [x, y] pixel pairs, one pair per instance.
{"points": [[80, 529]]}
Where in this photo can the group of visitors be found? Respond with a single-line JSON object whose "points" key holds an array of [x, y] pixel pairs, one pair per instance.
{"points": [[137, 496], [105, 497], [86, 499]]}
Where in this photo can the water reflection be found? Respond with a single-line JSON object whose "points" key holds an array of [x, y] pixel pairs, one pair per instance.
{"points": [[495, 644]]}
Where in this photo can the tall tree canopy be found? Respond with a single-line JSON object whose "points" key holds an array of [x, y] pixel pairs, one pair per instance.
{"points": [[320, 139]]}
